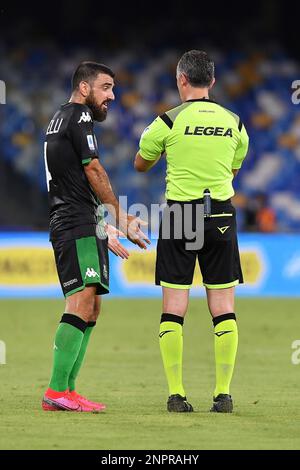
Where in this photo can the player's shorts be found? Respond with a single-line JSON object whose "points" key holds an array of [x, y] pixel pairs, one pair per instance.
{"points": [[218, 259], [82, 262]]}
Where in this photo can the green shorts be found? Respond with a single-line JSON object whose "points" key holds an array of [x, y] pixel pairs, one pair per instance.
{"points": [[82, 262]]}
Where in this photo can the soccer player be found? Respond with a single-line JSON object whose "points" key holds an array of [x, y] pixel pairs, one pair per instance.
{"points": [[78, 186], [205, 146]]}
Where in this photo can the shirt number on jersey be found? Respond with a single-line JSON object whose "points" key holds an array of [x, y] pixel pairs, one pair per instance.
{"points": [[48, 174]]}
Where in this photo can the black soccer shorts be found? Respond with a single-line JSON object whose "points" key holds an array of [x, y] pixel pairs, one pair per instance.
{"points": [[219, 258], [82, 262]]}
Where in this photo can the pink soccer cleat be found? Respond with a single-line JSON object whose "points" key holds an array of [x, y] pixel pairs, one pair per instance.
{"points": [[63, 401], [87, 403]]}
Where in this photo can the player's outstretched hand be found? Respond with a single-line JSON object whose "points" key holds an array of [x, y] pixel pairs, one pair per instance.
{"points": [[134, 232], [114, 245]]}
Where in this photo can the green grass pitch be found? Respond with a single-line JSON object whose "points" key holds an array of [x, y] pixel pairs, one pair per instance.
{"points": [[124, 370]]}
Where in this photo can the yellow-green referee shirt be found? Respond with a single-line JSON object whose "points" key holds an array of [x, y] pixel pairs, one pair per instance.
{"points": [[203, 142]]}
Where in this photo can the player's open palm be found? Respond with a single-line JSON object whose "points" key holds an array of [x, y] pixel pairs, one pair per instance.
{"points": [[134, 232], [114, 244]]}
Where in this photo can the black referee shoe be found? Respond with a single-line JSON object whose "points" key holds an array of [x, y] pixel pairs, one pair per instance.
{"points": [[222, 404], [178, 404]]}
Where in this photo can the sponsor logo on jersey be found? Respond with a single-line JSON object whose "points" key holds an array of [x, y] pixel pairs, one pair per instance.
{"points": [[90, 272], [85, 117], [200, 130], [91, 142]]}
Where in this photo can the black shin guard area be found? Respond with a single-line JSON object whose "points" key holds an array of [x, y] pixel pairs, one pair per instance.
{"points": [[74, 321]]}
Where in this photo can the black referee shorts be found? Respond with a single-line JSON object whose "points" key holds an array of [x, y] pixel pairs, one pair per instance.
{"points": [[218, 259], [81, 262]]}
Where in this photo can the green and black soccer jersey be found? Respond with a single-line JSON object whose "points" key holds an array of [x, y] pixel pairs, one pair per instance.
{"points": [[70, 144], [203, 142], [78, 238]]}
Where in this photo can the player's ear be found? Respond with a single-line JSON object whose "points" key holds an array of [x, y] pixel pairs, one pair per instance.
{"points": [[84, 88]]}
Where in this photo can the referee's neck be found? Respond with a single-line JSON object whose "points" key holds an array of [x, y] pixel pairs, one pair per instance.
{"points": [[193, 93]]}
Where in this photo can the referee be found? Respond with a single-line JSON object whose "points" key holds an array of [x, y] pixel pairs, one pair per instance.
{"points": [[205, 146], [78, 187]]}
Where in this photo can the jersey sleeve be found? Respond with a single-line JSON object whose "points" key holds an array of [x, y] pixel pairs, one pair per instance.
{"points": [[81, 132], [241, 150], [152, 142]]}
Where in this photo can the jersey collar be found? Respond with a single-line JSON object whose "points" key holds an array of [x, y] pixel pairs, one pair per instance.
{"points": [[200, 99]]}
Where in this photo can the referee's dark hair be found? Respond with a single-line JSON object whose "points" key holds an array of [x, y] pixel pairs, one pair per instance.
{"points": [[88, 72], [198, 68]]}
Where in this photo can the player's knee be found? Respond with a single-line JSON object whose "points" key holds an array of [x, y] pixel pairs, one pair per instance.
{"points": [[95, 314], [85, 310], [82, 304], [96, 309]]}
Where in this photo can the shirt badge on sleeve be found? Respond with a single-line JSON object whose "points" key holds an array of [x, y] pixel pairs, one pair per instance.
{"points": [[91, 143]]}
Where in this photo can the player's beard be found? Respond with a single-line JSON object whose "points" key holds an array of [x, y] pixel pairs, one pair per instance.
{"points": [[99, 113]]}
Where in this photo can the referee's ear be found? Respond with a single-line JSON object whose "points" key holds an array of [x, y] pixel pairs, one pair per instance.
{"points": [[212, 83]]}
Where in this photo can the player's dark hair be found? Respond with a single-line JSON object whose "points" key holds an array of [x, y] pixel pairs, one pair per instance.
{"points": [[198, 68], [88, 72]]}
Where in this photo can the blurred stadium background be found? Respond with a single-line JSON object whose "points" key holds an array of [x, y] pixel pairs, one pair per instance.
{"points": [[257, 59], [254, 79]]}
